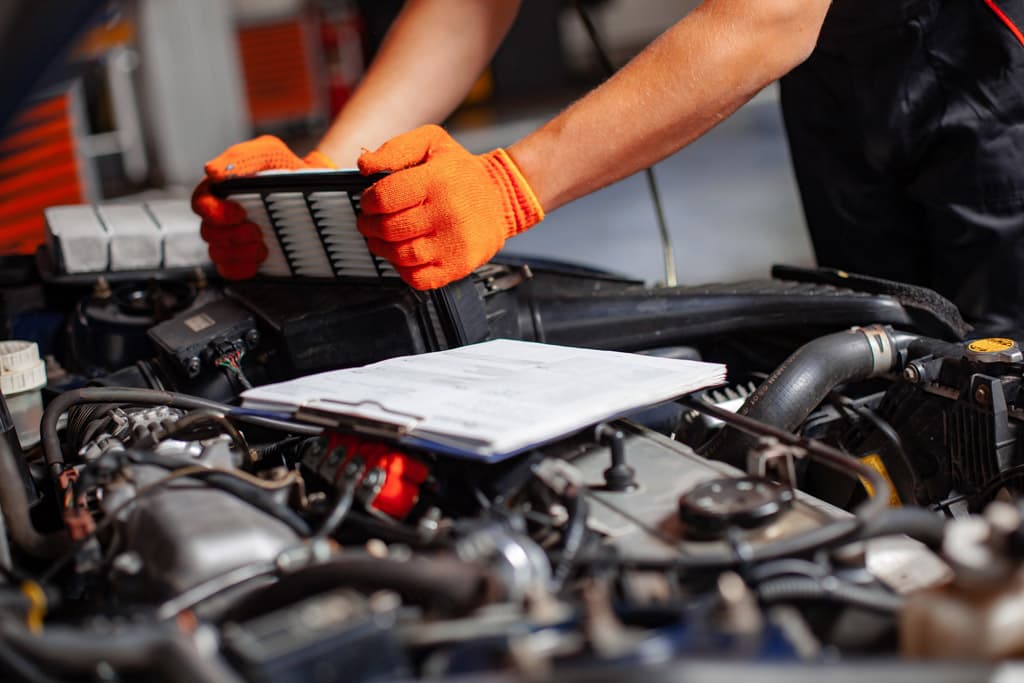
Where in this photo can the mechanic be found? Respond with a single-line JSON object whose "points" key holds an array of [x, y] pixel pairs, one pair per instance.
{"points": [[905, 119]]}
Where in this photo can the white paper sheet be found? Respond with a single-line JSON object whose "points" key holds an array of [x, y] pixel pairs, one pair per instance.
{"points": [[494, 398]]}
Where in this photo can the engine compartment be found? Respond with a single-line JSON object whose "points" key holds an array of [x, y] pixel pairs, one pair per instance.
{"points": [[848, 499]]}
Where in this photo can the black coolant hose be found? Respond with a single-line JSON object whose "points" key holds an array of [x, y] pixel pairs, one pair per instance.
{"points": [[438, 582], [921, 524], [807, 589], [143, 647], [14, 504], [804, 380]]}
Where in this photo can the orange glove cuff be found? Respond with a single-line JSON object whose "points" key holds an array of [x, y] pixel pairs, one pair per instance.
{"points": [[524, 209], [442, 211]]}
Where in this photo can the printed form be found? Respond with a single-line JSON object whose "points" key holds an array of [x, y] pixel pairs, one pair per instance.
{"points": [[491, 399]]}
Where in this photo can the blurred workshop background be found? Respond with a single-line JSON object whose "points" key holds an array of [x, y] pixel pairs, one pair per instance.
{"points": [[157, 87]]}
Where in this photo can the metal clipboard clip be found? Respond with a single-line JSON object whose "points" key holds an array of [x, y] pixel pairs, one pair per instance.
{"points": [[345, 416]]}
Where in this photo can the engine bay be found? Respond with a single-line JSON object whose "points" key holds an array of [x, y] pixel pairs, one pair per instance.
{"points": [[846, 502]]}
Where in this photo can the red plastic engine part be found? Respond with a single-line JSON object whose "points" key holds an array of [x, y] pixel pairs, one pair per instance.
{"points": [[388, 480]]}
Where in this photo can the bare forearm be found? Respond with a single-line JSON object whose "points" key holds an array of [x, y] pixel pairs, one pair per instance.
{"points": [[693, 76], [433, 53]]}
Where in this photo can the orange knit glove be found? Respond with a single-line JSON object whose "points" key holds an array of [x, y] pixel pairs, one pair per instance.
{"points": [[442, 211], [236, 243]]}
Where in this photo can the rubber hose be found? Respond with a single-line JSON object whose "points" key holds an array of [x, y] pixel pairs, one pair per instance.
{"points": [[804, 589], [920, 524], [141, 648], [804, 380], [919, 347], [575, 534], [17, 668], [14, 503], [338, 512], [445, 583], [438, 582]]}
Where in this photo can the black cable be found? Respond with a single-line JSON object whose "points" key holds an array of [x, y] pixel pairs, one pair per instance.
{"points": [[990, 487], [983, 492], [921, 524], [231, 483], [573, 537], [188, 422], [339, 511], [890, 434]]}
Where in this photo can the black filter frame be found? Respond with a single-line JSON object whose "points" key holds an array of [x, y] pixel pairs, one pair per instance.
{"points": [[454, 307]]}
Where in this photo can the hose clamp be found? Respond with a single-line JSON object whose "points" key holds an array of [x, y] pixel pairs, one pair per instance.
{"points": [[883, 354]]}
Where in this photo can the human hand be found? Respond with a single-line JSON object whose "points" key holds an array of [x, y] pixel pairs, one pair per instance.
{"points": [[442, 211], [236, 243]]}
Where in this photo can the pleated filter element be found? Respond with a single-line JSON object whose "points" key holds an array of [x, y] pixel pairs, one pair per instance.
{"points": [[276, 263], [308, 222], [346, 247], [299, 236]]}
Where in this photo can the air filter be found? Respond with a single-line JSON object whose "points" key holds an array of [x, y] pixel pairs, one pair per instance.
{"points": [[308, 220]]}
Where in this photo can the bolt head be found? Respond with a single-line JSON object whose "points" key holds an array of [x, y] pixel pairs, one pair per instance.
{"points": [[353, 467], [315, 447], [373, 478], [336, 455]]}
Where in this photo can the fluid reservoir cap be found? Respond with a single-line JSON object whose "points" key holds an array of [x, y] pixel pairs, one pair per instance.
{"points": [[994, 350], [712, 508], [21, 369]]}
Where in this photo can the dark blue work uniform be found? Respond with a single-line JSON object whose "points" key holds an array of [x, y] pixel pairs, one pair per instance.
{"points": [[906, 128]]}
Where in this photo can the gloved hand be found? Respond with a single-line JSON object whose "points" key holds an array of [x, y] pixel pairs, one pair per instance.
{"points": [[236, 243], [442, 211]]}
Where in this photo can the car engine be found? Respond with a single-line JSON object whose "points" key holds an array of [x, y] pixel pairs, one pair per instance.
{"points": [[847, 502]]}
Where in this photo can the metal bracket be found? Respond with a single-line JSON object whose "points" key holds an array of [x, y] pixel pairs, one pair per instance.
{"points": [[772, 459]]}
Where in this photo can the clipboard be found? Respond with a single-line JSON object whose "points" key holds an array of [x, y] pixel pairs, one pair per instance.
{"points": [[486, 401]]}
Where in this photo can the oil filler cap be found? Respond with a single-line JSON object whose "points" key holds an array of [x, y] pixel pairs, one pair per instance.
{"points": [[994, 350], [710, 509]]}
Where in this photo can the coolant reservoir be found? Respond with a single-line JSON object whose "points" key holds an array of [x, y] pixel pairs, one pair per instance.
{"points": [[22, 375]]}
